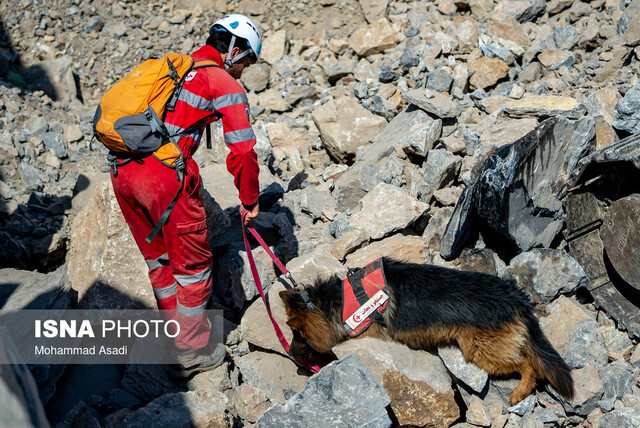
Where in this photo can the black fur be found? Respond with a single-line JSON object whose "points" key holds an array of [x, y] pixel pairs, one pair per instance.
{"points": [[440, 296]]}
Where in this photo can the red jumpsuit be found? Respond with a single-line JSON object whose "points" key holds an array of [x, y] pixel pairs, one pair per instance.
{"points": [[179, 258]]}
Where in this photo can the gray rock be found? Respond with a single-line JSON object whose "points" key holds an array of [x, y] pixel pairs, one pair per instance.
{"points": [[413, 129], [623, 418], [416, 380], [184, 409], [492, 49], [94, 24], [545, 273], [272, 373], [250, 402], [439, 80], [234, 279], [30, 176], [304, 241], [256, 78], [81, 415], [617, 380], [627, 116], [545, 415], [433, 102], [524, 407], [440, 170], [387, 209], [117, 29], [338, 69], [221, 379], [20, 405], [344, 393], [586, 347], [362, 177], [294, 94], [468, 373], [523, 11], [345, 125], [149, 381], [566, 37]]}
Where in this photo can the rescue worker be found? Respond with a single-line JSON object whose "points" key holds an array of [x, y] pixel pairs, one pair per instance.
{"points": [[179, 258]]}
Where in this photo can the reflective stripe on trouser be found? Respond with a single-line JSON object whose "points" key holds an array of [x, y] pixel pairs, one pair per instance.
{"points": [[179, 258]]}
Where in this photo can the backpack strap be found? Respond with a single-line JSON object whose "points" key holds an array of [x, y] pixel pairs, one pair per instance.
{"points": [[171, 104]]}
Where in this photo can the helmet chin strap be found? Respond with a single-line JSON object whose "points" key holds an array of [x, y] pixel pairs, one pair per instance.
{"points": [[228, 63]]}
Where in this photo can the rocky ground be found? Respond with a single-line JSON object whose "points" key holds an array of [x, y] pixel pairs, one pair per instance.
{"points": [[478, 134]]}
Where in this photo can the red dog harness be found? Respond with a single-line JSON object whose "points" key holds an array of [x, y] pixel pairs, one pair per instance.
{"points": [[364, 299]]}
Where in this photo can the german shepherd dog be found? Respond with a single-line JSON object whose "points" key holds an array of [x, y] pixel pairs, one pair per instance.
{"points": [[490, 319]]}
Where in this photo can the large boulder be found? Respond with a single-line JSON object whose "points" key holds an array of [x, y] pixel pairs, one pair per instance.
{"points": [[417, 382], [344, 393], [54, 77], [106, 267], [272, 373], [374, 38], [519, 189], [344, 126], [545, 273], [384, 210]]}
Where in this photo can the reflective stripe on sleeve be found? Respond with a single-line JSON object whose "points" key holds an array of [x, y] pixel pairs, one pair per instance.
{"points": [[196, 101], [230, 100]]}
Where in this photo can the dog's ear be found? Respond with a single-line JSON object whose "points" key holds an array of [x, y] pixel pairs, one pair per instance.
{"points": [[296, 323]]}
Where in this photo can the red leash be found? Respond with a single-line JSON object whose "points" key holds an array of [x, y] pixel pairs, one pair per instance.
{"points": [[304, 362]]}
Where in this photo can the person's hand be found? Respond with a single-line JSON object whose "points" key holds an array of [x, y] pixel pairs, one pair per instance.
{"points": [[252, 212]]}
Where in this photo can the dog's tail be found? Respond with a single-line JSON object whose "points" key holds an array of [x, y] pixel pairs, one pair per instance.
{"points": [[546, 362]]}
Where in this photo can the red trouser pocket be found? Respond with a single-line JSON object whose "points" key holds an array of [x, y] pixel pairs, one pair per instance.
{"points": [[194, 244]]}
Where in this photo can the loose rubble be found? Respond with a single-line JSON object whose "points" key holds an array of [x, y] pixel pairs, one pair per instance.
{"points": [[489, 135]]}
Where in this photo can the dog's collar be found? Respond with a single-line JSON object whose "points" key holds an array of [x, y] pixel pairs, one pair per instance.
{"points": [[306, 299]]}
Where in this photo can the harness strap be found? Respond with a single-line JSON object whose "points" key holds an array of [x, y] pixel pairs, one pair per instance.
{"points": [[304, 362], [208, 129], [355, 278], [165, 215]]}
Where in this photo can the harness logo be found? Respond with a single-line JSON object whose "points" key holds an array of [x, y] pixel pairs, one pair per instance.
{"points": [[365, 310], [191, 75]]}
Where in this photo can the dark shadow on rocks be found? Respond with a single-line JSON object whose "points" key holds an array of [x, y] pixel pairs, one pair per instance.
{"points": [[13, 72], [32, 234], [107, 388]]}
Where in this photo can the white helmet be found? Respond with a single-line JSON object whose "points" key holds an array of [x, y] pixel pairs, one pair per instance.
{"points": [[242, 27]]}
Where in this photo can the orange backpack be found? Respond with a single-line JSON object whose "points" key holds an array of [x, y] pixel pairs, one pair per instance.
{"points": [[129, 120]]}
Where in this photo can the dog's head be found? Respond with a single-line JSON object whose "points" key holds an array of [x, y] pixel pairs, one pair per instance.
{"points": [[310, 324]]}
